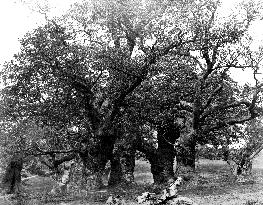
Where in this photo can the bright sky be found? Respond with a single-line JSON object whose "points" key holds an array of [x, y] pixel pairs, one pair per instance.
{"points": [[17, 18]]}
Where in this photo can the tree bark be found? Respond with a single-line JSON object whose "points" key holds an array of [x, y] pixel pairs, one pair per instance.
{"points": [[157, 171], [186, 154], [162, 158], [240, 162], [116, 175], [128, 165], [96, 157], [12, 177], [94, 168], [166, 137], [123, 163]]}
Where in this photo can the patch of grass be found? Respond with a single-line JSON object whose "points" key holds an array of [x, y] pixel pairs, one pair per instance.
{"points": [[211, 181], [142, 172], [142, 166], [213, 177]]}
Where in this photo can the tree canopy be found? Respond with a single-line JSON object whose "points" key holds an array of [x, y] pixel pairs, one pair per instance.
{"points": [[124, 69]]}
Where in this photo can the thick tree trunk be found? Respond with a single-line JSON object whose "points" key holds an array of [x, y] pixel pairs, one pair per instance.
{"points": [[95, 170], [186, 154], [240, 168], [12, 177], [162, 166], [123, 163], [186, 158], [157, 171], [240, 163], [96, 158], [127, 160], [128, 165], [162, 158], [116, 175]]}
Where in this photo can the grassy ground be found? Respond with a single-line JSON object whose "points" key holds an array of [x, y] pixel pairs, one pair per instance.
{"points": [[212, 184], [215, 185]]}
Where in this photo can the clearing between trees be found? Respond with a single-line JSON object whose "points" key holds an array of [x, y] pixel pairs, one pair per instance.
{"points": [[213, 183]]}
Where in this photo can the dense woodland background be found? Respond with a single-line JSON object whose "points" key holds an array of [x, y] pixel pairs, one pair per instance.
{"points": [[112, 82]]}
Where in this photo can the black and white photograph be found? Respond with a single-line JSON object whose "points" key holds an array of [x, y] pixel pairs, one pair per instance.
{"points": [[131, 102]]}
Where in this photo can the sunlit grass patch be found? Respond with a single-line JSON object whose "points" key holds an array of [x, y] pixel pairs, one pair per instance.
{"points": [[142, 173]]}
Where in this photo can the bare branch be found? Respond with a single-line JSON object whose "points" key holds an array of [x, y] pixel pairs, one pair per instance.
{"points": [[64, 159], [95, 81], [50, 152], [183, 105], [257, 151], [198, 62], [141, 46], [146, 148], [115, 67], [178, 44], [234, 66], [251, 106], [215, 52], [212, 95], [225, 107]]}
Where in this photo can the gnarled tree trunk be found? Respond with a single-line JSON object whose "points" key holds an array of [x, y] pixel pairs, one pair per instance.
{"points": [[127, 166], [240, 162], [116, 175], [186, 154], [12, 178], [96, 158], [162, 166], [186, 159], [123, 163], [162, 158]]}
